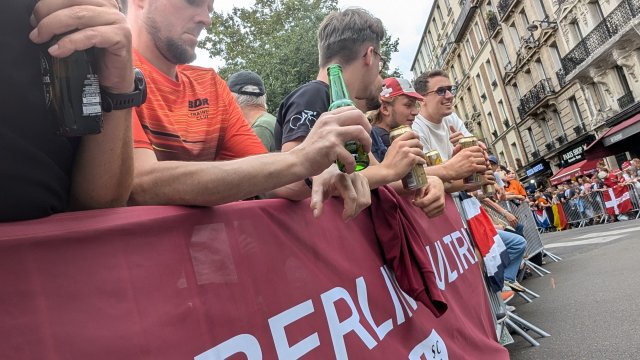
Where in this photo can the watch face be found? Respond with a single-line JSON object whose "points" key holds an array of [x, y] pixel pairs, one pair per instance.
{"points": [[140, 85]]}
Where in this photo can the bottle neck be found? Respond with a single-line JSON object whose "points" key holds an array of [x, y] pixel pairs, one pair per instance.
{"points": [[339, 95]]}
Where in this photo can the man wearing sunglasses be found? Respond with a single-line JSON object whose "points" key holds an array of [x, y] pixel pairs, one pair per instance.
{"points": [[440, 129]]}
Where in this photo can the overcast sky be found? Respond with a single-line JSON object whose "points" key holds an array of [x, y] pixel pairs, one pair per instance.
{"points": [[403, 19]]}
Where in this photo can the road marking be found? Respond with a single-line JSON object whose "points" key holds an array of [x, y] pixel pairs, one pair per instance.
{"points": [[601, 240], [606, 233]]}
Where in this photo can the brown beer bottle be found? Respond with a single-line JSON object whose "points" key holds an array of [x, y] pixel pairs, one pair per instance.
{"points": [[339, 97], [72, 92]]}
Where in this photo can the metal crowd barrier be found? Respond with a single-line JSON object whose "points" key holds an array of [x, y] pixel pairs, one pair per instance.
{"points": [[590, 209], [504, 320]]}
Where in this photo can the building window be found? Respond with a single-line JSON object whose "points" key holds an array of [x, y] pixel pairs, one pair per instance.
{"points": [[515, 37], [596, 11], [469, 49], [492, 74], [532, 139], [559, 125], [540, 70], [504, 56], [576, 31], [503, 113], [597, 93], [540, 9], [555, 57], [546, 131], [492, 124], [622, 77], [514, 151], [575, 111], [524, 18], [481, 88], [479, 35]]}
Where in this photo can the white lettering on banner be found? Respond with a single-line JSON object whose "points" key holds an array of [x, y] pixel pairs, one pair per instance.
{"points": [[241, 344], [432, 347], [277, 324], [535, 169], [382, 330], [249, 346], [339, 329], [442, 262]]}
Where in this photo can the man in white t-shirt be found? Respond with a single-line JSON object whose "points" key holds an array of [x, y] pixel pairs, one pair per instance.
{"points": [[439, 128]]}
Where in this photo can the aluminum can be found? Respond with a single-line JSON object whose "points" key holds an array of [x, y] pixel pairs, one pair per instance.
{"points": [[467, 142], [433, 158], [488, 190], [416, 178]]}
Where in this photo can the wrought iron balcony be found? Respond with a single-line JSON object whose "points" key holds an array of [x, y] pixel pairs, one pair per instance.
{"points": [[619, 18], [562, 78], [625, 101], [504, 6], [561, 139], [535, 96], [483, 96], [579, 130], [506, 123], [535, 154], [492, 22], [549, 146], [495, 134]]}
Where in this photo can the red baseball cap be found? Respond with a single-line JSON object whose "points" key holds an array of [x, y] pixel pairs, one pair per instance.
{"points": [[396, 86]]}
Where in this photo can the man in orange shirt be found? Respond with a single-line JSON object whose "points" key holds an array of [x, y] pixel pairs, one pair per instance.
{"points": [[191, 122]]}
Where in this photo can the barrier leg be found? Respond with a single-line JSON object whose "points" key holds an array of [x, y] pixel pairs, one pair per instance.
{"points": [[528, 325], [525, 297], [551, 256], [531, 293], [539, 270], [521, 332]]}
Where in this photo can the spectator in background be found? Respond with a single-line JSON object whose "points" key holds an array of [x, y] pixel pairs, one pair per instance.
{"points": [[398, 106], [513, 186], [608, 178], [248, 89]]}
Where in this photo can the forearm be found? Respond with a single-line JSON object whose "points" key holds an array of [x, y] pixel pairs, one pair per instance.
{"points": [[214, 183], [103, 167]]}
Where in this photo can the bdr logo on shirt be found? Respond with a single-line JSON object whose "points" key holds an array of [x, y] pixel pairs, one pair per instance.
{"points": [[194, 104], [199, 108]]}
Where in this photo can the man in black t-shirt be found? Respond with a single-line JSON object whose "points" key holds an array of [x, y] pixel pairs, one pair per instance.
{"points": [[352, 39], [43, 172]]}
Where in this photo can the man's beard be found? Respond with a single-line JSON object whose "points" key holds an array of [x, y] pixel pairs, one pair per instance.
{"points": [[173, 50]]}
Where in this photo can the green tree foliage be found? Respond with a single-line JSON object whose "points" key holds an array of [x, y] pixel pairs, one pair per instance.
{"points": [[277, 40]]}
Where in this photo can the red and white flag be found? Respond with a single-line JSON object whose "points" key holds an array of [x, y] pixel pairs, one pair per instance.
{"points": [[617, 200]]}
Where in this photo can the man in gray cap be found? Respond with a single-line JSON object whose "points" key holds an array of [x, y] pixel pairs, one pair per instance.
{"points": [[250, 94]]}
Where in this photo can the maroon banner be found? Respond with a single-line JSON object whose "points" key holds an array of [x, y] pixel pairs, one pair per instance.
{"points": [[249, 280]]}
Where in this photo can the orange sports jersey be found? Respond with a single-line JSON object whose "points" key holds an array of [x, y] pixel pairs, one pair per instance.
{"points": [[193, 119]]}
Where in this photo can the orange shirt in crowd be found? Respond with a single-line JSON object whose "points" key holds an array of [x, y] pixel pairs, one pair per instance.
{"points": [[515, 187], [193, 119]]}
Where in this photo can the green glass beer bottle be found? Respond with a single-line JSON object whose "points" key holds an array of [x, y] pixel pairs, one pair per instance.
{"points": [[339, 97]]}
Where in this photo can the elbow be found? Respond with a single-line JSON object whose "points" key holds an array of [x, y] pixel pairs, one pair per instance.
{"points": [[113, 195]]}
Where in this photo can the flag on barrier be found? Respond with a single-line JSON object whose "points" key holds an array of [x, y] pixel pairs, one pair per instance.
{"points": [[559, 219], [617, 200], [542, 219], [487, 240]]}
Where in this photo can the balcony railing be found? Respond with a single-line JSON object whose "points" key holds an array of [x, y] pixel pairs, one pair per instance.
{"points": [[612, 24], [506, 123], [492, 22], [535, 154], [549, 146], [561, 139], [504, 6], [495, 134], [579, 130], [562, 78], [625, 101], [535, 96]]}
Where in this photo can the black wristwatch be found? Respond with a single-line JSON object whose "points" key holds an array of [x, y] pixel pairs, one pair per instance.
{"points": [[112, 101]]}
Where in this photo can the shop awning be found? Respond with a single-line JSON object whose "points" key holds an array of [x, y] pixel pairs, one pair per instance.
{"points": [[581, 168], [622, 131]]}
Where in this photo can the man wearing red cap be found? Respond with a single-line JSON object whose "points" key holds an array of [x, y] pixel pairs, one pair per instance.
{"points": [[398, 106]]}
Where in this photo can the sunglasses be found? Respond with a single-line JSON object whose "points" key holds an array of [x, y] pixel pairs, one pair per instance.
{"points": [[383, 61], [442, 90]]}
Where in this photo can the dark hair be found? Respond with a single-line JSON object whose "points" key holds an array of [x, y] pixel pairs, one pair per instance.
{"points": [[342, 34], [421, 83]]}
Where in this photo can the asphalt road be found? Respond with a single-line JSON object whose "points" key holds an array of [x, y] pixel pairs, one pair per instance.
{"points": [[590, 303]]}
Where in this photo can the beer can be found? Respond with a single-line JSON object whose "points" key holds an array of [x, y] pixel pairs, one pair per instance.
{"points": [[433, 158], [488, 190], [467, 142], [417, 177]]}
